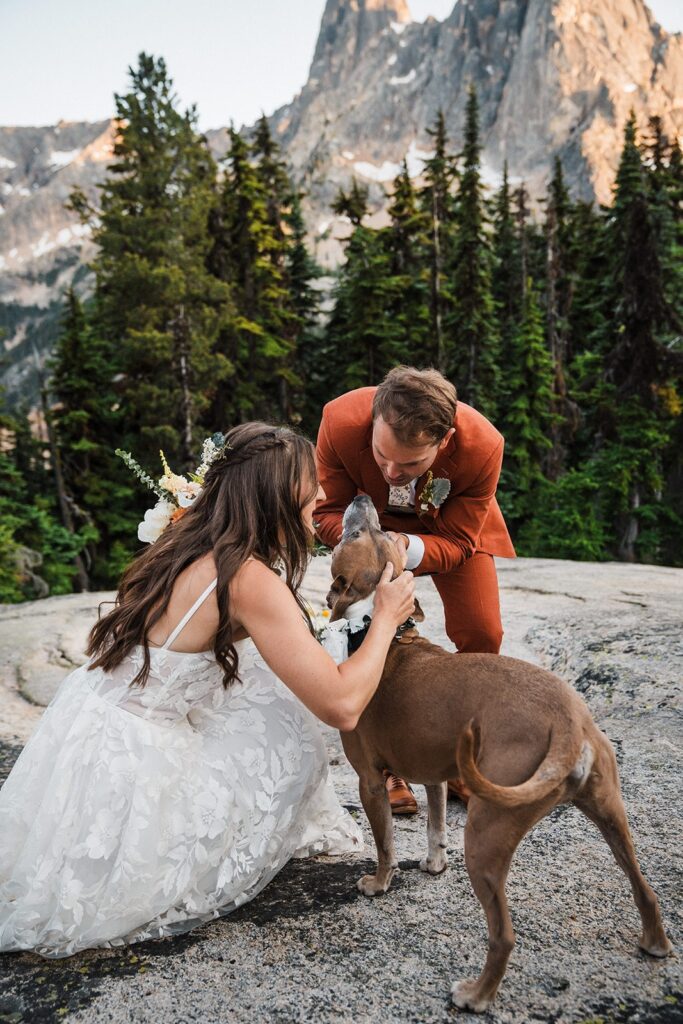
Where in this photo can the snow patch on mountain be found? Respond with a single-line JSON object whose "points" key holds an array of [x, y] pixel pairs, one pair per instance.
{"points": [[385, 172], [403, 79], [62, 158]]}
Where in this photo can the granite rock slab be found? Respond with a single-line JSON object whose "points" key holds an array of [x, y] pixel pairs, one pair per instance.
{"points": [[311, 948]]}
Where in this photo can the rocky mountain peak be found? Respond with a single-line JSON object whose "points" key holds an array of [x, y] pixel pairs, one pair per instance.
{"points": [[346, 30]]}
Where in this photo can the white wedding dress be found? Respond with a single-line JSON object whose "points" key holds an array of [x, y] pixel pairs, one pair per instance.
{"points": [[135, 813]]}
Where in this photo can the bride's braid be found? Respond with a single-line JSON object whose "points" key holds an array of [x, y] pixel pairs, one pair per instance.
{"points": [[231, 457]]}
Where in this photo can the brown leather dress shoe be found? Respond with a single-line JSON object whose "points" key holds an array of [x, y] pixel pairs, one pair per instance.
{"points": [[401, 796], [457, 790]]}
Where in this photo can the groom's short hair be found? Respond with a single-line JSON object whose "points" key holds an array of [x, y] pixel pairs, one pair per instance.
{"points": [[416, 404]]}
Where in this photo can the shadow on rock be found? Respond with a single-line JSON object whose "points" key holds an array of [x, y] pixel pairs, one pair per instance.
{"points": [[613, 1012], [39, 991], [8, 755], [307, 888]]}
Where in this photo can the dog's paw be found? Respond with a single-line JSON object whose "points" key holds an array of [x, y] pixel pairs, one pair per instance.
{"points": [[465, 995], [434, 865], [369, 886], [659, 947]]}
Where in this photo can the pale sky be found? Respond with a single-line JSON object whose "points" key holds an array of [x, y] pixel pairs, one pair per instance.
{"points": [[64, 59]]}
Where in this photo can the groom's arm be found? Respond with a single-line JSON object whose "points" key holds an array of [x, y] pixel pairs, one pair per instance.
{"points": [[339, 488], [454, 533]]}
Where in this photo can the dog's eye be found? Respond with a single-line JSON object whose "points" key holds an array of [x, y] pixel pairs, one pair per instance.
{"points": [[356, 533]]}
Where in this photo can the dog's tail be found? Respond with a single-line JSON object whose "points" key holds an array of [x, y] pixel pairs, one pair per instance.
{"points": [[553, 770]]}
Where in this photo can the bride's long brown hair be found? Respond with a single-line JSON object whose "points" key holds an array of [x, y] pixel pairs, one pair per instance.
{"points": [[250, 505]]}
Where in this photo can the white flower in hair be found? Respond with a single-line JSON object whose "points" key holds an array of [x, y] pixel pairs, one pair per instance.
{"points": [[156, 520]]}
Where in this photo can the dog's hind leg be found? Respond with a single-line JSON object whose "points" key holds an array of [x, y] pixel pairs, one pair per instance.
{"points": [[492, 835], [601, 801], [436, 860], [375, 800]]}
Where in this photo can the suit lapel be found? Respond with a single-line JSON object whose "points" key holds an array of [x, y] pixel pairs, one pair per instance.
{"points": [[443, 466]]}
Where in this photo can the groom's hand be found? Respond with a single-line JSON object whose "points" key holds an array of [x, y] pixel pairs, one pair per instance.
{"points": [[401, 542]]}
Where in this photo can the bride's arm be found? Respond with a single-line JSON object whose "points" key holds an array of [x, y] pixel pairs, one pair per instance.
{"points": [[337, 694]]}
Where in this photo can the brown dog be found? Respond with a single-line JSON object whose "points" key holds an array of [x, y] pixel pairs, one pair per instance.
{"points": [[521, 738]]}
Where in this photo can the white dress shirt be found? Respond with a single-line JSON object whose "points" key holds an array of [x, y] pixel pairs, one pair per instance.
{"points": [[400, 499]]}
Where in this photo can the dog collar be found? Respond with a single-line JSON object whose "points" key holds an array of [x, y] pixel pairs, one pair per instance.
{"points": [[405, 634], [344, 636], [357, 636]]}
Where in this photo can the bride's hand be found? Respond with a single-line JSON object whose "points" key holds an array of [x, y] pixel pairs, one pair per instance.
{"points": [[395, 599]]}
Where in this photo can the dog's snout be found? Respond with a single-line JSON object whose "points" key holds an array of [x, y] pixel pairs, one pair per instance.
{"points": [[360, 514]]}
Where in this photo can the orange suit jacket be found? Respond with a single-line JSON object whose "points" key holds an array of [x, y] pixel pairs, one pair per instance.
{"points": [[469, 519]]}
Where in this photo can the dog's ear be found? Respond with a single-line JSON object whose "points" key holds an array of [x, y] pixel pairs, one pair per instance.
{"points": [[337, 594], [418, 614]]}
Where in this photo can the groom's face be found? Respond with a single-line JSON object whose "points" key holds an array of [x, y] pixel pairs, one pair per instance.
{"points": [[399, 462]]}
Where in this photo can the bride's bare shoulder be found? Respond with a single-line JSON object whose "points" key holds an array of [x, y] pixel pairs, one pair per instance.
{"points": [[254, 577]]}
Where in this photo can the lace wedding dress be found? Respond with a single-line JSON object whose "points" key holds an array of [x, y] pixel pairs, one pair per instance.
{"points": [[135, 813]]}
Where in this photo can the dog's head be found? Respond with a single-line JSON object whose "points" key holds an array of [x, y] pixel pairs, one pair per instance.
{"points": [[359, 558]]}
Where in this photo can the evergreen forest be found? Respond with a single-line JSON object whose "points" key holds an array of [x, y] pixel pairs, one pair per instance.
{"points": [[559, 320]]}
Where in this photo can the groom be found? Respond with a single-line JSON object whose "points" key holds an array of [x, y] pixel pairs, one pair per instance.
{"points": [[431, 466]]}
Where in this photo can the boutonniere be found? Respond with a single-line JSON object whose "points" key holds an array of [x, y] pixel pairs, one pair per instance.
{"points": [[434, 492]]}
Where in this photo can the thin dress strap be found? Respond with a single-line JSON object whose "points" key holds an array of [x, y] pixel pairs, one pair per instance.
{"points": [[188, 615]]}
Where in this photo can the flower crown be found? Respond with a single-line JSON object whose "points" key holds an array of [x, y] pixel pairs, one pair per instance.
{"points": [[175, 493]]}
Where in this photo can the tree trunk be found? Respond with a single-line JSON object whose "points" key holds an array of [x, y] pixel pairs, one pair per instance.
{"points": [[181, 340], [627, 550], [555, 459], [82, 578], [436, 285]]}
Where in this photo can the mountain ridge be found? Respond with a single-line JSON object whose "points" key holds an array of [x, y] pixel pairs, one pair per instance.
{"points": [[554, 78]]}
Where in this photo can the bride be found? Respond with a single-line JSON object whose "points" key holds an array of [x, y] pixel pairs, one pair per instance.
{"points": [[178, 770]]}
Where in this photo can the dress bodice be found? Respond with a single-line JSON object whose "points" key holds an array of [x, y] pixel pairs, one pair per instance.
{"points": [[178, 682]]}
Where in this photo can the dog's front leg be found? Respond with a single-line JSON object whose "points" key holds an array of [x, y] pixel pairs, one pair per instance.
{"points": [[436, 860], [375, 800]]}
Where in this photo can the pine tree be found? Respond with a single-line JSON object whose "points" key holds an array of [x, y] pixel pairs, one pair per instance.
{"points": [[589, 312], [302, 272], [381, 315], [96, 499], [352, 204], [156, 304], [639, 361], [406, 241], [437, 204], [473, 361], [558, 303], [249, 254], [272, 174], [280, 203], [528, 411], [37, 554], [359, 332], [506, 265], [639, 397]]}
